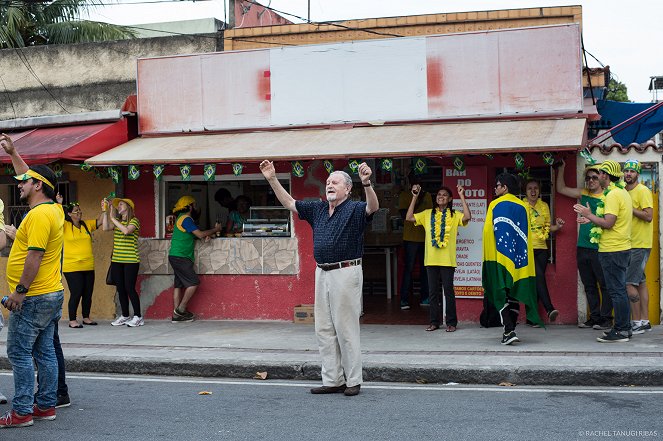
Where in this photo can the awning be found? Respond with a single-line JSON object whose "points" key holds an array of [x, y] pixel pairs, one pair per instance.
{"points": [[70, 143], [362, 142]]}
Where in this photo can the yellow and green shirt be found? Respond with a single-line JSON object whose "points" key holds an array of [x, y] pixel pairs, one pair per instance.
{"points": [[445, 256], [41, 230], [412, 232], [617, 238], [642, 232], [78, 254], [125, 247], [539, 223]]}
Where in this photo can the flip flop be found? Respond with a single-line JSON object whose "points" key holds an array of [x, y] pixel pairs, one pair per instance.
{"points": [[432, 328], [90, 324], [451, 328], [76, 327]]}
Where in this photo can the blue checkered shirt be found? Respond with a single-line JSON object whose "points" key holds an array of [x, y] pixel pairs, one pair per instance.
{"points": [[339, 237]]}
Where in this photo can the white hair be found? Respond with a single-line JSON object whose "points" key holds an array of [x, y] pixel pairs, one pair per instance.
{"points": [[346, 177]]}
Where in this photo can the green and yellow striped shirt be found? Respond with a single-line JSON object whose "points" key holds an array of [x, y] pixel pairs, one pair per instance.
{"points": [[125, 247]]}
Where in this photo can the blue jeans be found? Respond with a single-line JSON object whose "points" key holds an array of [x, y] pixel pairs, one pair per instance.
{"points": [[413, 251], [30, 337], [614, 267]]}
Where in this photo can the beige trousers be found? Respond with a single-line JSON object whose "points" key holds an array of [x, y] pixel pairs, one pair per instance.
{"points": [[337, 308]]}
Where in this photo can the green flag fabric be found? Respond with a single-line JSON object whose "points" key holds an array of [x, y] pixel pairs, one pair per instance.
{"points": [[508, 257]]}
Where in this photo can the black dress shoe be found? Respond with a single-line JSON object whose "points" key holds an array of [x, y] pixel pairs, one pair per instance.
{"points": [[352, 391], [329, 389]]}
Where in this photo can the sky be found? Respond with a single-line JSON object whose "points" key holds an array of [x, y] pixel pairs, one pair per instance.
{"points": [[626, 35]]}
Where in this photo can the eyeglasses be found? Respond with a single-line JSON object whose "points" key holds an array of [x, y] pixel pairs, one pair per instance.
{"points": [[591, 178]]}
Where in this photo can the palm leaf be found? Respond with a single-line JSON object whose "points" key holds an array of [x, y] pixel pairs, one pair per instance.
{"points": [[85, 32]]}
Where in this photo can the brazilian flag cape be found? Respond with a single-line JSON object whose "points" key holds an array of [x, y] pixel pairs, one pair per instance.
{"points": [[508, 258]]}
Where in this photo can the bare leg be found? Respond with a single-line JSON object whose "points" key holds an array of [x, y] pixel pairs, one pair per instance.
{"points": [[634, 298], [188, 293], [644, 301]]}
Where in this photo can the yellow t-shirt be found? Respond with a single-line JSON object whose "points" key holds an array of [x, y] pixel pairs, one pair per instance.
{"points": [[539, 223], [2, 215], [78, 247], [617, 238], [440, 256], [411, 232], [642, 233], [41, 229]]}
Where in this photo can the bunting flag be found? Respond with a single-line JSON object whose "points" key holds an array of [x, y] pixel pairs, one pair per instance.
{"points": [[57, 169], [520, 162], [354, 166], [114, 173], [209, 172], [85, 167], [158, 171], [297, 169], [133, 172], [489, 156], [98, 173], [587, 156], [237, 168], [9, 169], [459, 163], [508, 256], [420, 166], [386, 164], [548, 158], [329, 166], [185, 172]]}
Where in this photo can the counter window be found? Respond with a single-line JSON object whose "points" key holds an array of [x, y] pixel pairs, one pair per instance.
{"points": [[243, 205]]}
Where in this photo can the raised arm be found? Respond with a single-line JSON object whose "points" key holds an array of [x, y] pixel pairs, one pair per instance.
{"points": [[268, 171], [19, 165], [372, 204], [561, 184], [409, 216], [467, 214]]}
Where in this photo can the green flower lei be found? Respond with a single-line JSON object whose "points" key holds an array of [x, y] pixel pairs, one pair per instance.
{"points": [[595, 232], [443, 233], [541, 231]]}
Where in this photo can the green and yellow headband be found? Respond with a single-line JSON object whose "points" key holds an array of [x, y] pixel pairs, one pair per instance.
{"points": [[33, 174]]}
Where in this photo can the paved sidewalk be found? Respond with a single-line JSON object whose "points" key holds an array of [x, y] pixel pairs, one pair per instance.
{"points": [[558, 355]]}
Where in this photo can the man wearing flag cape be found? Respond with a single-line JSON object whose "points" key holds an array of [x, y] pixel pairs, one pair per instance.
{"points": [[508, 274]]}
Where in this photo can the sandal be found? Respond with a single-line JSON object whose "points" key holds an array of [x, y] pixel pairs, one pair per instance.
{"points": [[451, 328], [432, 328]]}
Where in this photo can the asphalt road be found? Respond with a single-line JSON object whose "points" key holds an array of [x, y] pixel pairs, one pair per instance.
{"points": [[172, 408]]}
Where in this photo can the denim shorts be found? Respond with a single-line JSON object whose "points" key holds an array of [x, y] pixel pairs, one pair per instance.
{"points": [[635, 274]]}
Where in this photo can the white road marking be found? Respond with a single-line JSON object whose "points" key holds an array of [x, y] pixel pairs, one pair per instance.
{"points": [[380, 386]]}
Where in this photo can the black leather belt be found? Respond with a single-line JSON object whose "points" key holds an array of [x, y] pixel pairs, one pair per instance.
{"points": [[338, 265]]}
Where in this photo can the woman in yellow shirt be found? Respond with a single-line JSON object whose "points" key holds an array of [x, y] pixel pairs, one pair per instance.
{"points": [[540, 227], [78, 262]]}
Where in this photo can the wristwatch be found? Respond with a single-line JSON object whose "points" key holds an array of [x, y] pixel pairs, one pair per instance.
{"points": [[21, 289], [370, 184]]}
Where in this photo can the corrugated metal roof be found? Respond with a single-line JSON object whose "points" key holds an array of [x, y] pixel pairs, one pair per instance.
{"points": [[363, 142]]}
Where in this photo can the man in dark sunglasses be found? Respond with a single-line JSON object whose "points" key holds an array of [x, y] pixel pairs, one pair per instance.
{"points": [[587, 252]]}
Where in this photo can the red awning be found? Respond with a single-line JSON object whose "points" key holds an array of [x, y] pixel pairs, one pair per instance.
{"points": [[72, 143]]}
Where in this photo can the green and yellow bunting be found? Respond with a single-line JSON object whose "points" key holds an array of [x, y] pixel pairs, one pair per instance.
{"points": [[9, 169], [520, 162], [185, 172], [57, 169], [459, 163], [329, 166], [548, 158], [85, 167], [386, 164], [158, 171], [489, 156], [420, 166], [209, 172], [354, 166], [237, 168], [587, 156], [297, 169], [133, 172], [114, 173]]}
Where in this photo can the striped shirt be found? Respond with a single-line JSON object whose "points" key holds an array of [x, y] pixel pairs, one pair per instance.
{"points": [[125, 247]]}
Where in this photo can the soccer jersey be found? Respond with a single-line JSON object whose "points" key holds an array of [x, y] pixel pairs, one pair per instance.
{"points": [[446, 255], [617, 238], [642, 232], [78, 254], [539, 223], [41, 230]]}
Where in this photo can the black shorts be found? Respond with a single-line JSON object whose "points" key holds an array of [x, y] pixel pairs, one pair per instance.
{"points": [[185, 276]]}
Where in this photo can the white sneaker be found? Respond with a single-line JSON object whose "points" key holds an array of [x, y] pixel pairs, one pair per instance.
{"points": [[136, 321], [3, 399], [121, 320]]}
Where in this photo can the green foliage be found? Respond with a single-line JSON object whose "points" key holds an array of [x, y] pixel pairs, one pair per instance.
{"points": [[29, 23], [617, 91]]}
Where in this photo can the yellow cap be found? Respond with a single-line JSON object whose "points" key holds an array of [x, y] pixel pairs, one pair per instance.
{"points": [[129, 202], [183, 202], [612, 168]]}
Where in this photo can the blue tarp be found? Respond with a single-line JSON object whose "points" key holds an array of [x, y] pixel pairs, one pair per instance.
{"points": [[614, 112]]}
